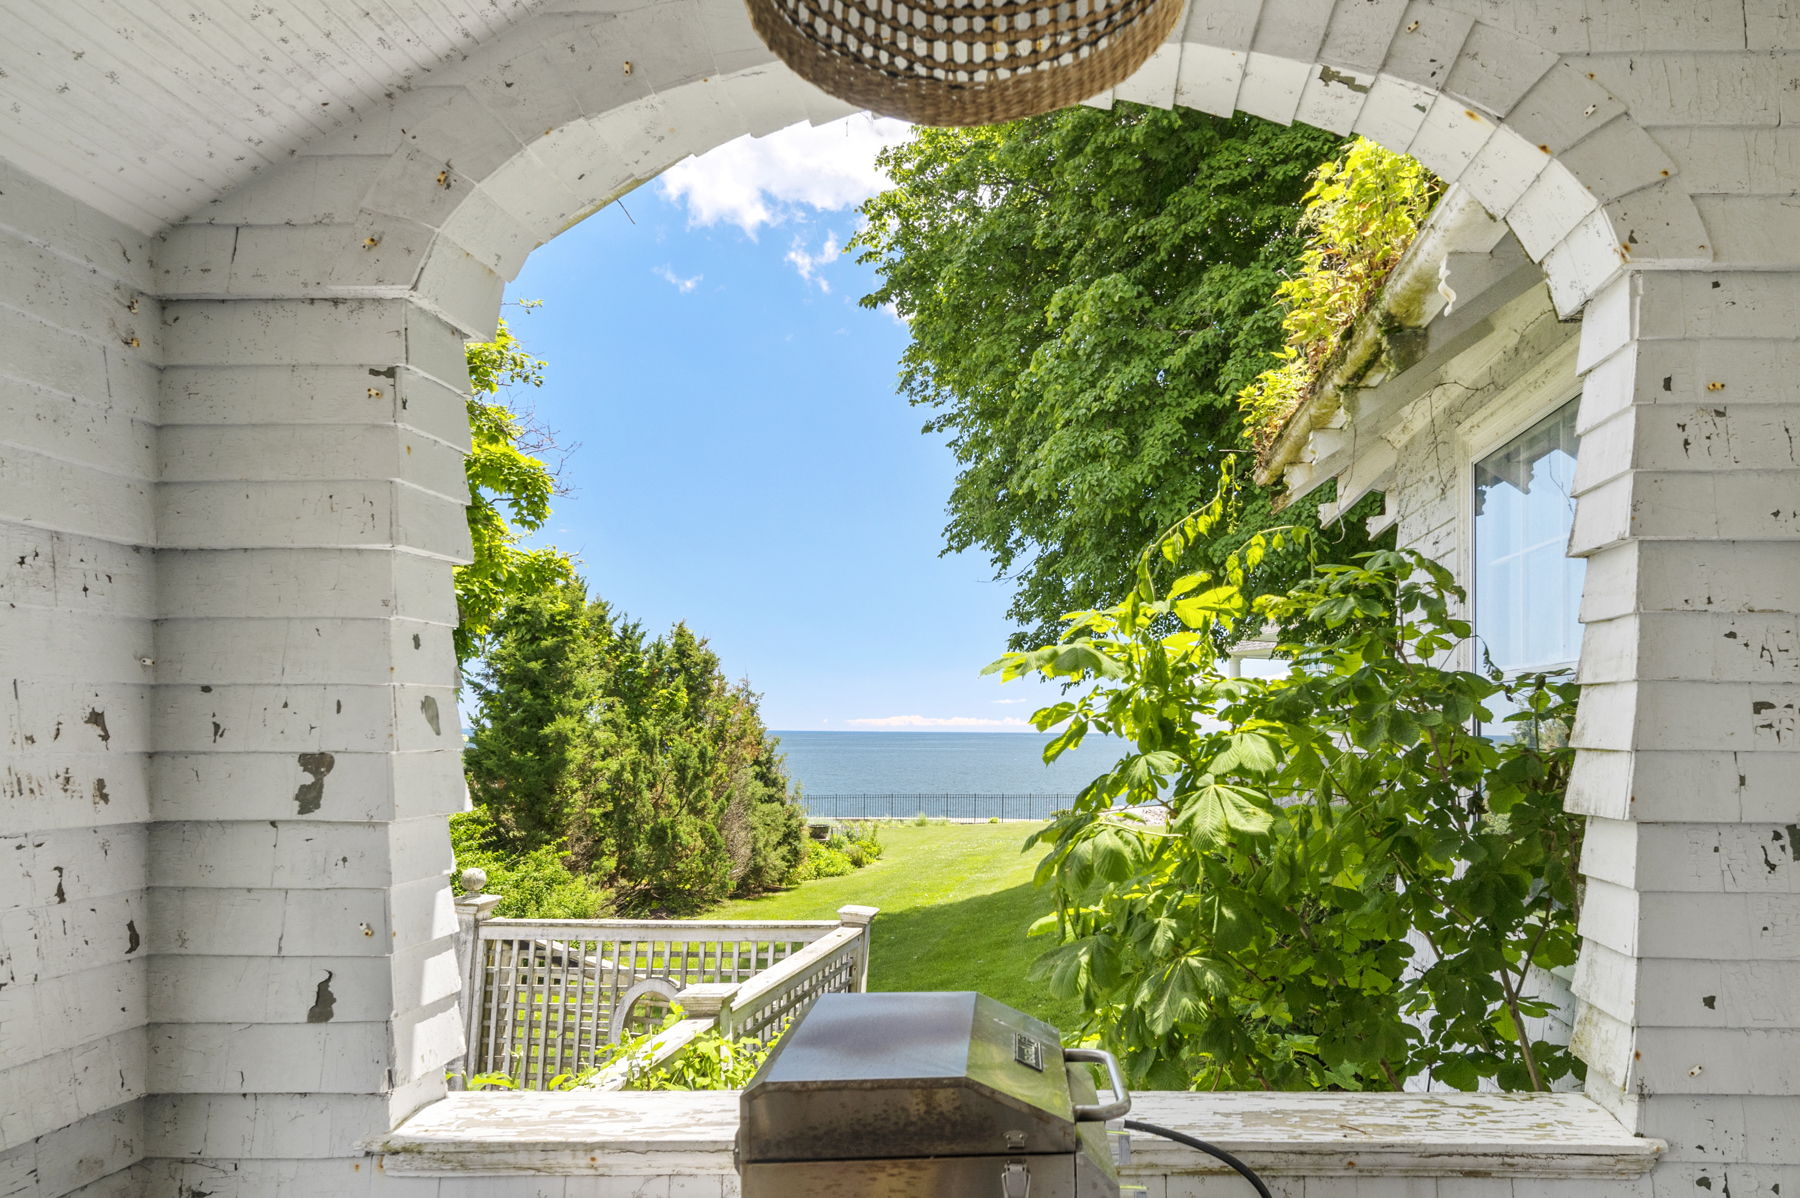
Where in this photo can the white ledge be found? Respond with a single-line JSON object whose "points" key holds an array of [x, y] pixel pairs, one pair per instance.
{"points": [[1312, 1135]]}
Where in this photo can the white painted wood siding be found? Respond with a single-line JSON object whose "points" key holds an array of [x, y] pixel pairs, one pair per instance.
{"points": [[77, 593], [158, 108]]}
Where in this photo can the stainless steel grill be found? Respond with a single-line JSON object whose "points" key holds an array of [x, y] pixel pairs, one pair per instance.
{"points": [[926, 1096]]}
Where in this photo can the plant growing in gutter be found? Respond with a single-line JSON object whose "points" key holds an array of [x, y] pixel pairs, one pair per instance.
{"points": [[1362, 212], [1343, 883]]}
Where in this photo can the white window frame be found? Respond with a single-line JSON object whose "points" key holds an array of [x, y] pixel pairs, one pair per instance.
{"points": [[1530, 399]]}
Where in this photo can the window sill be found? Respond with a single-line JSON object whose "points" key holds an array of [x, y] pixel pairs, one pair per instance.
{"points": [[1311, 1135]]}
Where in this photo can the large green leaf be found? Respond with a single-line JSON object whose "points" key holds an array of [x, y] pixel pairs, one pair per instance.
{"points": [[1248, 752], [1214, 810]]}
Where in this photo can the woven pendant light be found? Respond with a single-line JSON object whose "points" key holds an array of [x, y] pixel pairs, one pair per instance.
{"points": [[963, 62]]}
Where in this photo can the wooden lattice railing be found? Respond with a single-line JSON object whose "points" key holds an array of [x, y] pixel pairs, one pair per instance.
{"points": [[836, 963], [544, 997], [760, 1008]]}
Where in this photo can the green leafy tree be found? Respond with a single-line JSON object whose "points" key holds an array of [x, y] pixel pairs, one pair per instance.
{"points": [[1348, 885], [631, 765], [597, 758], [777, 833], [538, 739], [509, 494], [693, 804], [1087, 293], [537, 884]]}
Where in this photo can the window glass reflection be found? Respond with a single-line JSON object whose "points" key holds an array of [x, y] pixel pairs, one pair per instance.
{"points": [[1527, 591]]}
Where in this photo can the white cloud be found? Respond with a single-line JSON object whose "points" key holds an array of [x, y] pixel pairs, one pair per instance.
{"points": [[1008, 702], [963, 722], [809, 265], [667, 274], [757, 181]]}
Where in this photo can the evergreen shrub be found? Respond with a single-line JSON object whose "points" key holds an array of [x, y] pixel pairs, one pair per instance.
{"points": [[822, 861], [533, 885], [632, 761]]}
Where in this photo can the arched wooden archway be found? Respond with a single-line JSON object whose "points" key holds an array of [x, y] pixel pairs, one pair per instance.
{"points": [[443, 196]]}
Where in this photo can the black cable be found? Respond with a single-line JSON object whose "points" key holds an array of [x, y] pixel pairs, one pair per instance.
{"points": [[1245, 1171]]}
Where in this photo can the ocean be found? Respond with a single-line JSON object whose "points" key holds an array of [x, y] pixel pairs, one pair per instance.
{"points": [[938, 773]]}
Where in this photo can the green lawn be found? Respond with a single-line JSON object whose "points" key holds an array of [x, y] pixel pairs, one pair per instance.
{"points": [[955, 901]]}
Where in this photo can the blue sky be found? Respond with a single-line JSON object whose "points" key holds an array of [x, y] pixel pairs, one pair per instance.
{"points": [[744, 461]]}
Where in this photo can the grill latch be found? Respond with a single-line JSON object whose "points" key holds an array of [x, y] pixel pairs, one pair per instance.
{"points": [[1015, 1180]]}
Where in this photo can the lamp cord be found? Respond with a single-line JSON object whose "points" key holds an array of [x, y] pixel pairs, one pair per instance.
{"points": [[1245, 1171]]}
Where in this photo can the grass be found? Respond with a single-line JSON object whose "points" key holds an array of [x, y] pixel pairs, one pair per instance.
{"points": [[955, 901]]}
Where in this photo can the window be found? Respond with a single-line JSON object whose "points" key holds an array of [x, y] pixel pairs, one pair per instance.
{"points": [[1527, 591]]}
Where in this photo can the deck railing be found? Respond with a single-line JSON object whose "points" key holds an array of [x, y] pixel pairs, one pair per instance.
{"points": [[954, 807], [545, 997], [758, 1009]]}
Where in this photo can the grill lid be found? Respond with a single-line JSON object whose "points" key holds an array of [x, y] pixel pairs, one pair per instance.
{"points": [[881, 1076]]}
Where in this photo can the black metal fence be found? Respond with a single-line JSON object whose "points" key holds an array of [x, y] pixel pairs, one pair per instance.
{"points": [[936, 806]]}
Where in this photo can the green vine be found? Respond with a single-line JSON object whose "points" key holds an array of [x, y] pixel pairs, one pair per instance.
{"points": [[710, 1061], [1336, 878], [1364, 209], [509, 492], [713, 1061]]}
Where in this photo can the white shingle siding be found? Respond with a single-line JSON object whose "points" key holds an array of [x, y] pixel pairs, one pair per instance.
{"points": [[77, 597]]}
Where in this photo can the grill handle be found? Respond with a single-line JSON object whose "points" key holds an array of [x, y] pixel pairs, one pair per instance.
{"points": [[1100, 1112]]}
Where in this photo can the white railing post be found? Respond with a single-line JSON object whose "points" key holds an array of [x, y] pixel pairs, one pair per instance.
{"points": [[861, 917], [472, 907], [709, 1000]]}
